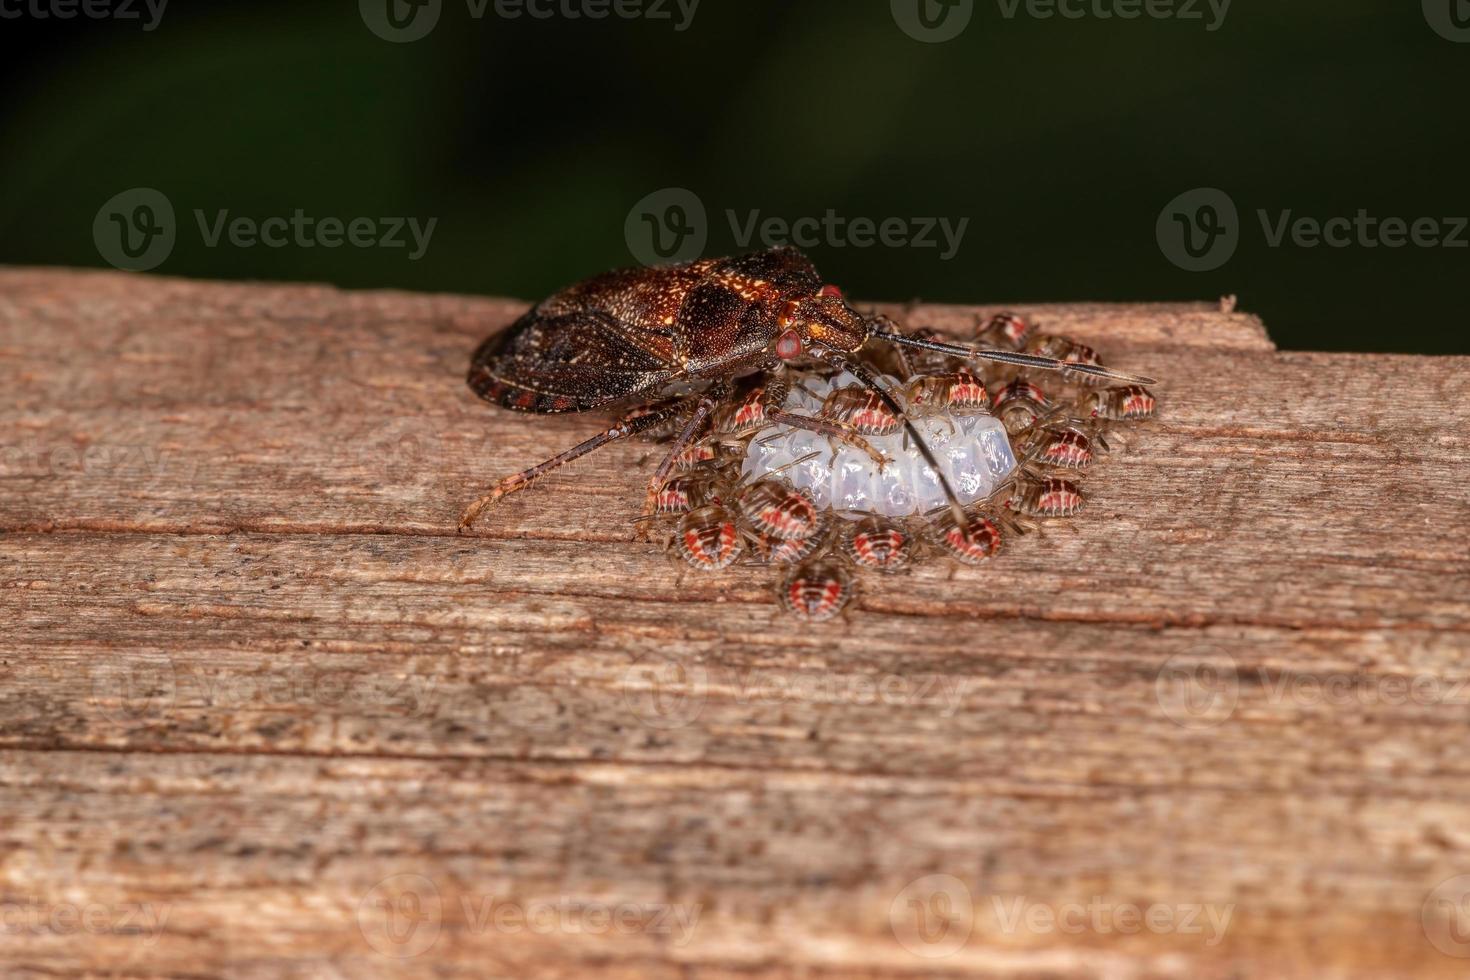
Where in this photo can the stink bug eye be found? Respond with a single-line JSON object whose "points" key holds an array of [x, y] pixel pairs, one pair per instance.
{"points": [[830, 290], [789, 345]]}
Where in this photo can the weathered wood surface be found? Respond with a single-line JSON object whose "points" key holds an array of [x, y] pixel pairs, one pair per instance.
{"points": [[250, 671]]}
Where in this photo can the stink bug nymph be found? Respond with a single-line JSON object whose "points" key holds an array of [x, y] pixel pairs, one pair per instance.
{"points": [[816, 591], [708, 538], [877, 543]]}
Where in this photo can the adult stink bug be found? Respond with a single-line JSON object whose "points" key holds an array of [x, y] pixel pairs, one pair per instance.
{"points": [[666, 345]]}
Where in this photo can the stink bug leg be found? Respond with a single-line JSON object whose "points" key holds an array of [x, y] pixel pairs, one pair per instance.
{"points": [[703, 409], [629, 425]]}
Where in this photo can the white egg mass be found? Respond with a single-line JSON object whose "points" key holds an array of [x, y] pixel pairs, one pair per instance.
{"points": [[973, 451]]}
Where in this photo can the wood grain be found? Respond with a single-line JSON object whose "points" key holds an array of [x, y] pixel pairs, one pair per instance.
{"points": [[259, 694]]}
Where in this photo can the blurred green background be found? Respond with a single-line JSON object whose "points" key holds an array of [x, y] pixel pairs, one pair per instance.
{"points": [[530, 140]]}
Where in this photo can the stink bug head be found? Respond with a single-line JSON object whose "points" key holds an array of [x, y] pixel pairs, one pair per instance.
{"points": [[824, 320]]}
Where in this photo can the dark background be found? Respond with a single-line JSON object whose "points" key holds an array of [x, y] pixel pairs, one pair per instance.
{"points": [[530, 140]]}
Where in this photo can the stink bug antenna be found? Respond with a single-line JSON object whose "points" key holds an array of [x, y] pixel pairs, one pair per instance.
{"points": [[860, 371], [1005, 356]]}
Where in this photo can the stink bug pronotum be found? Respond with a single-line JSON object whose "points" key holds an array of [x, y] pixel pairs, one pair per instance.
{"points": [[666, 345]]}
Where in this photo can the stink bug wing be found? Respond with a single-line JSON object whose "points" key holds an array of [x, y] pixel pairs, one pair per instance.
{"points": [[631, 332], [569, 363], [786, 267], [729, 316]]}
